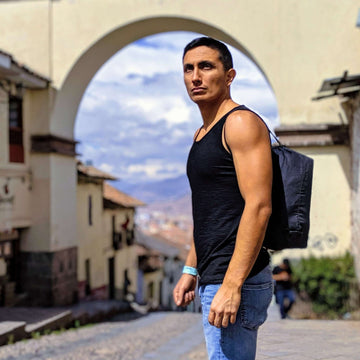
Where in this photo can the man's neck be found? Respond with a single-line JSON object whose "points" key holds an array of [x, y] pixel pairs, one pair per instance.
{"points": [[211, 112]]}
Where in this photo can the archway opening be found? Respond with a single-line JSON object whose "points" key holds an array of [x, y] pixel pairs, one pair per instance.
{"points": [[135, 118]]}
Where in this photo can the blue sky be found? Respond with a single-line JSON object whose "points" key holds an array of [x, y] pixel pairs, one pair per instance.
{"points": [[135, 119]]}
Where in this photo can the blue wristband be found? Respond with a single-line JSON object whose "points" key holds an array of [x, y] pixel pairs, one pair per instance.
{"points": [[190, 270]]}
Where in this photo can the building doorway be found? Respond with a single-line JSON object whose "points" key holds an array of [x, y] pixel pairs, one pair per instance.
{"points": [[10, 261], [111, 266]]}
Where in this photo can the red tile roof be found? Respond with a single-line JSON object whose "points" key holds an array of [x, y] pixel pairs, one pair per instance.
{"points": [[93, 172], [118, 197], [20, 73]]}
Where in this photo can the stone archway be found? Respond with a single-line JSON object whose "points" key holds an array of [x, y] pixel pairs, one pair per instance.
{"points": [[68, 97]]}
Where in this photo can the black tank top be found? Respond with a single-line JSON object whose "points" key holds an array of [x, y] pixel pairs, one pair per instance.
{"points": [[217, 205]]}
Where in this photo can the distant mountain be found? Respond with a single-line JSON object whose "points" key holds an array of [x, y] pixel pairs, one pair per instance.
{"points": [[156, 191], [180, 207]]}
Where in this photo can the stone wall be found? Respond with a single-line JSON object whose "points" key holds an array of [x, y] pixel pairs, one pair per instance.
{"points": [[356, 189], [352, 109], [49, 278]]}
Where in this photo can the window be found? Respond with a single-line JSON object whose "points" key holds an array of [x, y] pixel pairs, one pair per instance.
{"points": [[90, 210], [16, 130], [87, 277], [113, 223], [130, 237], [116, 236], [6, 250]]}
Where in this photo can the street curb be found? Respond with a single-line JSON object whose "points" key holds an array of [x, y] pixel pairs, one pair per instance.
{"points": [[56, 322], [12, 331]]}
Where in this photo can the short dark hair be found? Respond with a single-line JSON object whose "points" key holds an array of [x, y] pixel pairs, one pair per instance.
{"points": [[224, 53]]}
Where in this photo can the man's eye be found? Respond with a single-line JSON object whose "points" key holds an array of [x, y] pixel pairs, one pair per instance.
{"points": [[207, 66], [187, 69]]}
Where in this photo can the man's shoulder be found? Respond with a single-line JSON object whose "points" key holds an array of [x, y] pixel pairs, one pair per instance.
{"points": [[243, 124], [244, 117]]}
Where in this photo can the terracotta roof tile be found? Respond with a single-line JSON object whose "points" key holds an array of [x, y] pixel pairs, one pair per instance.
{"points": [[118, 197], [91, 171], [155, 245], [15, 66]]}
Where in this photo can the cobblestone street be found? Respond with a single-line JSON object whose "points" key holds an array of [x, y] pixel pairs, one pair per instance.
{"points": [[178, 336], [156, 336]]}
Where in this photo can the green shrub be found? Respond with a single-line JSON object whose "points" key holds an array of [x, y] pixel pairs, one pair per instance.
{"points": [[11, 339], [326, 282]]}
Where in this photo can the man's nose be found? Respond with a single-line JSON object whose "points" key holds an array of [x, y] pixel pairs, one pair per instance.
{"points": [[196, 79]]}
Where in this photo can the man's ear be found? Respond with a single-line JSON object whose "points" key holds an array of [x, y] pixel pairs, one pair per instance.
{"points": [[230, 76]]}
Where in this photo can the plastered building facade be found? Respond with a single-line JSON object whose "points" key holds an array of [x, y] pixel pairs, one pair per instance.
{"points": [[107, 260]]}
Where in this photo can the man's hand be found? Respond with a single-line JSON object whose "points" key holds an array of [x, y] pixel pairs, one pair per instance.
{"points": [[282, 276], [184, 291], [224, 306]]}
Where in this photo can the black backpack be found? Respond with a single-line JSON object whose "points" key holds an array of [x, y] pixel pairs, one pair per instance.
{"points": [[289, 223], [291, 197]]}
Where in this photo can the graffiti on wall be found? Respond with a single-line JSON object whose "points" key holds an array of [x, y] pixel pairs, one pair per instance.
{"points": [[9, 187], [324, 242]]}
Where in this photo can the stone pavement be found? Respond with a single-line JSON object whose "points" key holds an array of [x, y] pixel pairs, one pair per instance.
{"points": [[309, 339], [302, 340], [178, 336]]}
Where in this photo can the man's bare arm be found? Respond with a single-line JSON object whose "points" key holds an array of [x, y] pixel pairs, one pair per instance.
{"points": [[249, 143], [184, 291]]}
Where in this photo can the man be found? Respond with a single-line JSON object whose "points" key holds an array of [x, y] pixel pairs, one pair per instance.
{"points": [[230, 173], [285, 296]]}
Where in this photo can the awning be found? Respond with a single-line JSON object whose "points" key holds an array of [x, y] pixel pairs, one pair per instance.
{"points": [[344, 85], [13, 71]]}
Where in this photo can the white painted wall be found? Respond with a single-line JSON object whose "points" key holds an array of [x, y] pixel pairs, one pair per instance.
{"points": [[126, 258], [91, 240], [95, 242]]}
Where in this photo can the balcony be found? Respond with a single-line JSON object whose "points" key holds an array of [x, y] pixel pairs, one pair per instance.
{"points": [[130, 237], [117, 240]]}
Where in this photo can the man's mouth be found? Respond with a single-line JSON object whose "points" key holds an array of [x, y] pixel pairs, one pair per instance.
{"points": [[197, 90]]}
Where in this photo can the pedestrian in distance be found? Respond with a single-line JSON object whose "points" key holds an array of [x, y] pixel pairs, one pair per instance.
{"points": [[284, 293], [230, 173]]}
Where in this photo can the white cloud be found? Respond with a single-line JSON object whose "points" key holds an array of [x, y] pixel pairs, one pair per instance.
{"points": [[157, 169], [107, 167], [170, 108], [179, 112], [157, 54]]}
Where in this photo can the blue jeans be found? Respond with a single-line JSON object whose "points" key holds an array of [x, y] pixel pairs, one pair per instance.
{"points": [[285, 298], [238, 341]]}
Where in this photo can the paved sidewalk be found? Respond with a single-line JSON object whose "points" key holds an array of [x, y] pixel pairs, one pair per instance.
{"points": [[301, 340], [308, 339]]}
